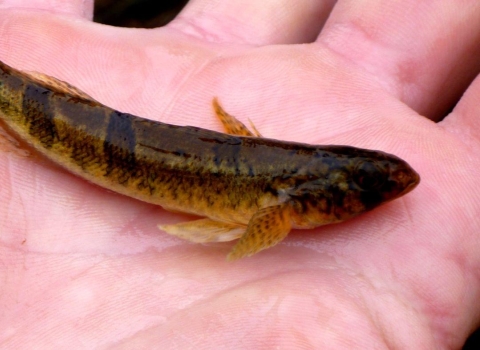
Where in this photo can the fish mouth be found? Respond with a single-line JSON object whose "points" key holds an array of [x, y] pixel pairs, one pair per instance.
{"points": [[410, 187], [409, 179]]}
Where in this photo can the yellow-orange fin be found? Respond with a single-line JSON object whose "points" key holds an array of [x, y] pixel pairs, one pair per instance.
{"points": [[204, 230], [11, 144], [58, 85], [266, 228], [255, 130], [231, 124]]}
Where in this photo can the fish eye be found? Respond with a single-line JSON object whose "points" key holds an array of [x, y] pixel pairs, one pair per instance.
{"points": [[369, 176]]}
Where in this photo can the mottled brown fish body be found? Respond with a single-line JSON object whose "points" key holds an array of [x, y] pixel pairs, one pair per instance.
{"points": [[226, 178], [182, 168]]}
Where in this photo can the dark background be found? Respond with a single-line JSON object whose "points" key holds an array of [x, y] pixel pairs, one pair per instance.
{"points": [[137, 13], [155, 13]]}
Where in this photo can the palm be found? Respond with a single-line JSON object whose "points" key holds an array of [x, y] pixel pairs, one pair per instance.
{"points": [[74, 254]]}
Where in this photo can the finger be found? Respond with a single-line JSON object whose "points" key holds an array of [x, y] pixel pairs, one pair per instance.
{"points": [[462, 160], [424, 52], [464, 120], [254, 22], [77, 8]]}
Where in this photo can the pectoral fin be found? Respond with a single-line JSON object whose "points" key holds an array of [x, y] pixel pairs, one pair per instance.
{"points": [[204, 230], [231, 124], [266, 228]]}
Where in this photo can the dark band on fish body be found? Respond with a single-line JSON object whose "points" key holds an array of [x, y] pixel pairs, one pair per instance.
{"points": [[12, 82], [39, 114], [119, 145]]}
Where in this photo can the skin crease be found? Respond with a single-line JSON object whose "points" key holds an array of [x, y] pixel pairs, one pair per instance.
{"points": [[86, 267]]}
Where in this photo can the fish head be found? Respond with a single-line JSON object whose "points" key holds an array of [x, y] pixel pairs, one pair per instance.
{"points": [[342, 182]]}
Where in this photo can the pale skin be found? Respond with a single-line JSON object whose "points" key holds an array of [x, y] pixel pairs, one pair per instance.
{"points": [[86, 267]]}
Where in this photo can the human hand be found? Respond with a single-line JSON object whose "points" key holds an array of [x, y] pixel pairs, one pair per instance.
{"points": [[86, 267]]}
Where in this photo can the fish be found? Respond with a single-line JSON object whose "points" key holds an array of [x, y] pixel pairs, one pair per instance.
{"points": [[242, 185]]}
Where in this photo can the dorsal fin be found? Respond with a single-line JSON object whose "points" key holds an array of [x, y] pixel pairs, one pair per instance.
{"points": [[232, 125], [58, 85]]}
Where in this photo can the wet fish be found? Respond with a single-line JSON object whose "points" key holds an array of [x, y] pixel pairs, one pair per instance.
{"points": [[244, 186]]}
